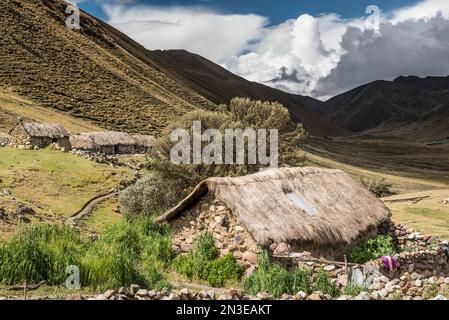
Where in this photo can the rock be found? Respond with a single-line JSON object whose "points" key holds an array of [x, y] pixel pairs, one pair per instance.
{"points": [[173, 296], [282, 248], [439, 297], [301, 295], [239, 229], [251, 257], [363, 296], [329, 268], [108, 294], [142, 293], [376, 295], [75, 297], [418, 283], [263, 295], [122, 290], [100, 297], [344, 297], [134, 288], [315, 296], [6, 192]]}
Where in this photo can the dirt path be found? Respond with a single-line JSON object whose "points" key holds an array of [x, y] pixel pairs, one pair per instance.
{"points": [[89, 206]]}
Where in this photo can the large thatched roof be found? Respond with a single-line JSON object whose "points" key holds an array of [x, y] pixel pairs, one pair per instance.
{"points": [[93, 140], [321, 206], [42, 130]]}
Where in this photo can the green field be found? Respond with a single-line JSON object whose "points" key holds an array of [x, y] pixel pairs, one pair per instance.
{"points": [[53, 183]]}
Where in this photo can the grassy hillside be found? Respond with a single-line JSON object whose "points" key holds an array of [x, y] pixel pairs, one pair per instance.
{"points": [[96, 73], [13, 106], [429, 216], [54, 184]]}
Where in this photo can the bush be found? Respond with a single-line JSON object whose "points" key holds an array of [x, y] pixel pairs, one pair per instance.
{"points": [[379, 187], [371, 249], [170, 182], [148, 196], [202, 263], [40, 252], [219, 271], [275, 280], [324, 284]]}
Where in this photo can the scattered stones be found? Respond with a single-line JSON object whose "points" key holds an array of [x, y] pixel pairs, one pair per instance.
{"points": [[108, 294], [134, 288], [142, 293]]}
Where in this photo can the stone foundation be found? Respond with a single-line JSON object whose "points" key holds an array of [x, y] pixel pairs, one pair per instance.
{"points": [[230, 236]]}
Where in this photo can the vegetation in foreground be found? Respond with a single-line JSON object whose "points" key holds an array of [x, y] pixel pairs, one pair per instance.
{"points": [[203, 263], [126, 253]]}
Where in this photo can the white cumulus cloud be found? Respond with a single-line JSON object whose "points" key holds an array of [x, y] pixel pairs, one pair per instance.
{"points": [[319, 56]]}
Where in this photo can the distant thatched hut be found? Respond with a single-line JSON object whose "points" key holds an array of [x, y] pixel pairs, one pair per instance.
{"points": [[111, 142], [38, 135], [310, 209]]}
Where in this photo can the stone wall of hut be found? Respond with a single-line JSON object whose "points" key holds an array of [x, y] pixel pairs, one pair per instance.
{"points": [[20, 138], [209, 215]]}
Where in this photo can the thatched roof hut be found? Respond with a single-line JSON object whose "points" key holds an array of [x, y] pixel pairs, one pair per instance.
{"points": [[41, 130], [39, 135], [111, 142], [306, 205]]}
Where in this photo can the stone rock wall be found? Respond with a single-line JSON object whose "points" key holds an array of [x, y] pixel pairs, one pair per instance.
{"points": [[230, 236]]}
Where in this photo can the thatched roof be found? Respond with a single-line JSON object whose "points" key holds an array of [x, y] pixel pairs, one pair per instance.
{"points": [[42, 130], [313, 205], [144, 140], [93, 140]]}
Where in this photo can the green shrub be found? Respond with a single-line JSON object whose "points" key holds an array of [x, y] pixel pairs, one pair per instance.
{"points": [[219, 271], [353, 289], [203, 263], [275, 280], [372, 248], [431, 291], [40, 252], [148, 196], [324, 284], [379, 187]]}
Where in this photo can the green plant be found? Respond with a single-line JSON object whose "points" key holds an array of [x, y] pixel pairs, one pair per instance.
{"points": [[145, 198], [353, 289], [275, 280], [39, 252], [203, 263], [379, 187], [431, 291], [394, 296], [371, 249], [128, 252], [217, 272], [324, 284]]}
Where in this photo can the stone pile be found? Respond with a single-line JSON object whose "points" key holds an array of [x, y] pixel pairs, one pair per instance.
{"points": [[96, 157], [5, 140]]}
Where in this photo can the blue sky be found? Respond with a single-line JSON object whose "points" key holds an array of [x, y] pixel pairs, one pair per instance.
{"points": [[276, 10]]}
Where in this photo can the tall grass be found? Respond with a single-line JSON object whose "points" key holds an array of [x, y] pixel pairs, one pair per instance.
{"points": [[128, 252], [275, 280], [40, 252]]}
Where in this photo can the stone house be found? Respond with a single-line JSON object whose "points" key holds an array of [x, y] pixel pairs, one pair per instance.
{"points": [[111, 142], [28, 135], [320, 211]]}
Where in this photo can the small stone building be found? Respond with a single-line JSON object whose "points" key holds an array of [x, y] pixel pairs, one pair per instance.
{"points": [[29, 135], [320, 211], [111, 142]]}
